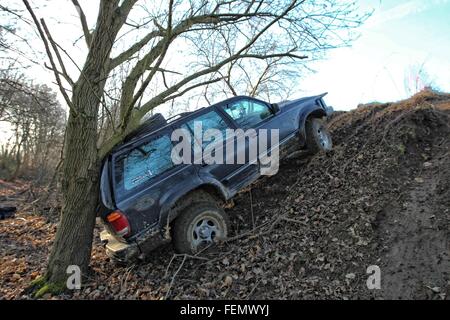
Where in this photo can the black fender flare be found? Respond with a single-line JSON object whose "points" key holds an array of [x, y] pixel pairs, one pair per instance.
{"points": [[311, 111], [208, 184]]}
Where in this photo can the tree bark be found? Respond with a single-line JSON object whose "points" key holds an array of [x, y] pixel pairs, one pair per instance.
{"points": [[73, 241]]}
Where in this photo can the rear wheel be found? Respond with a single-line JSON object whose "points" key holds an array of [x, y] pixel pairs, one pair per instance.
{"points": [[318, 139], [199, 226]]}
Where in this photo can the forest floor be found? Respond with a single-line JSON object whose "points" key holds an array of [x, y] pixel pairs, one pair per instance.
{"points": [[382, 197]]}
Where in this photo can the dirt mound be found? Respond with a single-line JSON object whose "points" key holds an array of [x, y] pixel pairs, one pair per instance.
{"points": [[380, 198]]}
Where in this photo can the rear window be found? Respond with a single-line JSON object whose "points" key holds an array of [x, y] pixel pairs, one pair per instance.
{"points": [[136, 167]]}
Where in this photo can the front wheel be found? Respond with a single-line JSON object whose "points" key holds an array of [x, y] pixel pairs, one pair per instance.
{"points": [[199, 226], [318, 138]]}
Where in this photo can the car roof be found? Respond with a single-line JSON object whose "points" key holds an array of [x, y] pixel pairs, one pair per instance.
{"points": [[184, 115]]}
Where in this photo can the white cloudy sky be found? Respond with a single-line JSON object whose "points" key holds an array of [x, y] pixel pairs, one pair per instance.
{"points": [[399, 34]]}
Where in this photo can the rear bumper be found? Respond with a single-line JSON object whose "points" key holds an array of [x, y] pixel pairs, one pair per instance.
{"points": [[117, 250], [132, 251]]}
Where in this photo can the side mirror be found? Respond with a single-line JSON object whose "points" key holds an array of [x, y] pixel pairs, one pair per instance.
{"points": [[275, 108]]}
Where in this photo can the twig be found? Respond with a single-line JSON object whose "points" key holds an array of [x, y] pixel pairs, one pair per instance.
{"points": [[84, 25], [245, 234], [251, 233], [182, 255], [293, 221], [174, 276], [54, 45], [168, 266], [251, 208], [124, 283], [50, 56], [253, 289]]}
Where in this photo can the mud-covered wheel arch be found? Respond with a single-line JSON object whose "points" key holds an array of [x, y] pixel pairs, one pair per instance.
{"points": [[317, 136], [204, 193]]}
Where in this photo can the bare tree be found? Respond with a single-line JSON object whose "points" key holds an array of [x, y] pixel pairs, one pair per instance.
{"points": [[273, 77], [37, 124], [159, 69], [7, 26], [416, 79]]}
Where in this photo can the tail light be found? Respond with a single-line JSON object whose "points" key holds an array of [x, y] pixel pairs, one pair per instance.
{"points": [[119, 223]]}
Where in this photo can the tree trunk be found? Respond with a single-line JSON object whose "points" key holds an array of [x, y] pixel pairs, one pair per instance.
{"points": [[73, 240], [80, 175]]}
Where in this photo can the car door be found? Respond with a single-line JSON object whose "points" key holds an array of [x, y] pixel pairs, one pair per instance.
{"points": [[221, 170], [250, 113]]}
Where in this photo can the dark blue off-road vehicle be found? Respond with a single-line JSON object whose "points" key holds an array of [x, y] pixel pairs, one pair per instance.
{"points": [[146, 199]]}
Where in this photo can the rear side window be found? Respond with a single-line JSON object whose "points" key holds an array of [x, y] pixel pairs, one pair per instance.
{"points": [[210, 120], [247, 113], [138, 166]]}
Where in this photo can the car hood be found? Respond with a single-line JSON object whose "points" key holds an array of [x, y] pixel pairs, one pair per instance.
{"points": [[288, 103]]}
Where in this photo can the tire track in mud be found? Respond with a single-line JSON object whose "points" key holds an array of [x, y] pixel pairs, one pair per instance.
{"points": [[416, 232]]}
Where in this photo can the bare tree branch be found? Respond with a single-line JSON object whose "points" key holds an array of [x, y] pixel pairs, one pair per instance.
{"points": [[84, 24], [126, 55], [50, 56], [239, 55], [58, 55]]}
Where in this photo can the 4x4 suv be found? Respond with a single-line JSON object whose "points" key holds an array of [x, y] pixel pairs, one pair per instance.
{"points": [[146, 199]]}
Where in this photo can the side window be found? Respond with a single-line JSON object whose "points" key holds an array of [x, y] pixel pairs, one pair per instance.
{"points": [[143, 163], [247, 113], [210, 120]]}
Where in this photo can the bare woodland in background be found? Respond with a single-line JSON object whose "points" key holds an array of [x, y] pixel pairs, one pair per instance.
{"points": [[33, 115], [37, 123]]}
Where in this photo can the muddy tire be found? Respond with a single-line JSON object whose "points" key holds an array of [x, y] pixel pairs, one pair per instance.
{"points": [[318, 139], [199, 226]]}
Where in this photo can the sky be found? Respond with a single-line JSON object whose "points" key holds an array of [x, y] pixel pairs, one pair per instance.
{"points": [[399, 34]]}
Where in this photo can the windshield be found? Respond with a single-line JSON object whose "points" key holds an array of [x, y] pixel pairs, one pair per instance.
{"points": [[248, 114]]}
